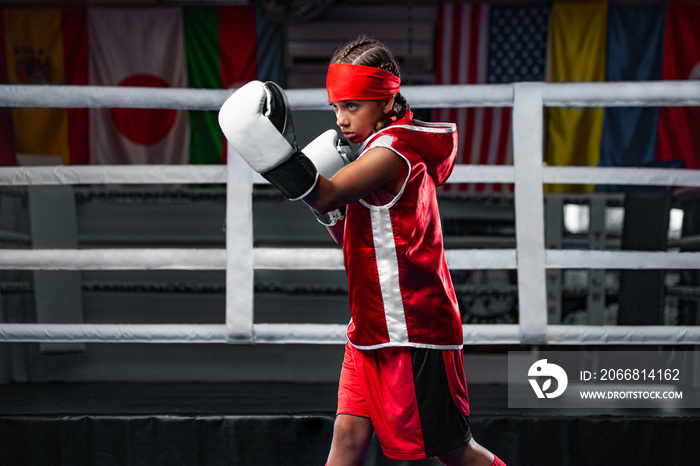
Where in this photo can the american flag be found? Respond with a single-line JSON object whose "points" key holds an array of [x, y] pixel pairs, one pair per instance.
{"points": [[479, 44]]}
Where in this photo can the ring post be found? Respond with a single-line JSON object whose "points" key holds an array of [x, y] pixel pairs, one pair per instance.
{"points": [[528, 120], [239, 250]]}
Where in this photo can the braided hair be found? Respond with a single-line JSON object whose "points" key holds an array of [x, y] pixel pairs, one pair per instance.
{"points": [[370, 52]]}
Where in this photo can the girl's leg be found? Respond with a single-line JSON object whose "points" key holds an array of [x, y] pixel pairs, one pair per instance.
{"points": [[351, 437], [470, 454]]}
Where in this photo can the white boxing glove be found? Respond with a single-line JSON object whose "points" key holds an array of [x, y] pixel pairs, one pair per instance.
{"points": [[329, 154], [257, 122]]}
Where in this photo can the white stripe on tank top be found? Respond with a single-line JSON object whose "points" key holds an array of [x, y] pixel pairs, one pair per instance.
{"points": [[388, 270]]}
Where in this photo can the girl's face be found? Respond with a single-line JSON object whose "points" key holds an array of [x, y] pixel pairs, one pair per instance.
{"points": [[357, 118]]}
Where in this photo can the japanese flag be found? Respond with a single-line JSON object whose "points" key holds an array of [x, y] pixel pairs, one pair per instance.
{"points": [[138, 47]]}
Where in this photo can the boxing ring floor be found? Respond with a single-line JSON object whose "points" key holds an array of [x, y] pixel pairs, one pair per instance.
{"points": [[290, 423]]}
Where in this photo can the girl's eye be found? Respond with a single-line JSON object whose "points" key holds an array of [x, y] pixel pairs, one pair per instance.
{"points": [[352, 106]]}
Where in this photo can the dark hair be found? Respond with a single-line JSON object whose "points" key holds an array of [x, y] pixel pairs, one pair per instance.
{"points": [[371, 52]]}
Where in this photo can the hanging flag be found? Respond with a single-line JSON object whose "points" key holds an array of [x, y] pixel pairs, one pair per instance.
{"points": [[517, 53], [479, 44], [634, 46], [220, 46], [47, 47], [138, 47], [7, 130], [271, 49], [75, 36], [227, 47], [461, 48], [679, 127], [577, 53]]}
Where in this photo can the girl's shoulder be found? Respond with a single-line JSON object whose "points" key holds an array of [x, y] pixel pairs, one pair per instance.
{"points": [[434, 144]]}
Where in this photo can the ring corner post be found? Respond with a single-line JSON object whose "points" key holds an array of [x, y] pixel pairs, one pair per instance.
{"points": [[528, 151], [239, 250]]}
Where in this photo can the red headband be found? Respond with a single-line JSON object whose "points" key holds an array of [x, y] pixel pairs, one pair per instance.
{"points": [[358, 82]]}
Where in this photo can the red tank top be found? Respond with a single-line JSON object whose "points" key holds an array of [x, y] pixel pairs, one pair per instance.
{"points": [[400, 290]]}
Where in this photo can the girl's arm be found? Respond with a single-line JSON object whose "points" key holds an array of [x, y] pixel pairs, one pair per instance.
{"points": [[378, 167], [337, 232]]}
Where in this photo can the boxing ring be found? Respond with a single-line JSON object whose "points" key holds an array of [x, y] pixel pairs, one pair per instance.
{"points": [[239, 259]]}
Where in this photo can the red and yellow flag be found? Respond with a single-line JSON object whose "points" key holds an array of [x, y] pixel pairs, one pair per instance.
{"points": [[47, 47]]}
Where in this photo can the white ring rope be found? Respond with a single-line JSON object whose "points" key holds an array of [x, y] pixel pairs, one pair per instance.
{"points": [[298, 258], [622, 94], [324, 259], [487, 95], [599, 94], [112, 174], [239, 326], [113, 259], [122, 333], [264, 333], [622, 176], [622, 335], [325, 334], [68, 96], [641, 260], [215, 259], [178, 174]]}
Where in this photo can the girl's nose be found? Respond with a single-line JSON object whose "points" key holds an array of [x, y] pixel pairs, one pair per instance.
{"points": [[340, 119]]}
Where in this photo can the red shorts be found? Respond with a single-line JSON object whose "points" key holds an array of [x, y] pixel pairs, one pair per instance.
{"points": [[416, 398]]}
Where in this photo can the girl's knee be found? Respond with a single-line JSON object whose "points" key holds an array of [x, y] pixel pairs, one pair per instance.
{"points": [[351, 437], [352, 431], [469, 454]]}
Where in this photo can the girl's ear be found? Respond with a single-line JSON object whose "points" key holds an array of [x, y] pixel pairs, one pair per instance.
{"points": [[388, 106]]}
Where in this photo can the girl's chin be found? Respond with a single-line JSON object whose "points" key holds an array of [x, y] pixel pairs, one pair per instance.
{"points": [[355, 138]]}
